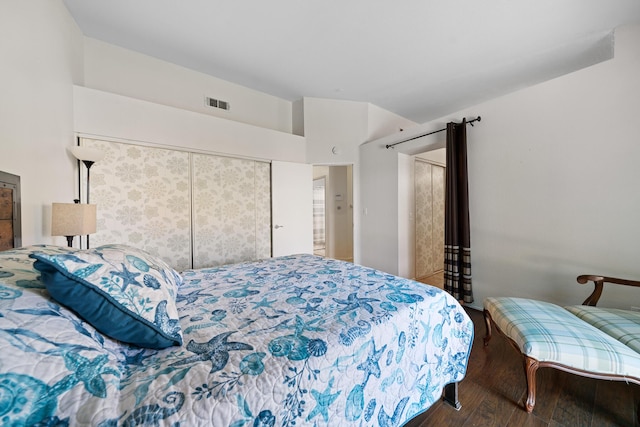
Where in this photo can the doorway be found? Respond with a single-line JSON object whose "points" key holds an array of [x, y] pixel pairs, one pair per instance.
{"points": [[335, 204]]}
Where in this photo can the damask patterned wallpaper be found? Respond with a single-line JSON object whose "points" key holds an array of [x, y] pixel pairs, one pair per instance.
{"points": [[429, 200], [181, 206], [231, 202]]}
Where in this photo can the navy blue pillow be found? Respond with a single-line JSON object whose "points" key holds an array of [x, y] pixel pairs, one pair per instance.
{"points": [[124, 292]]}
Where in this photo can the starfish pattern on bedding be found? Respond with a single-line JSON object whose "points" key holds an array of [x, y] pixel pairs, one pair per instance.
{"points": [[216, 350], [311, 308], [445, 311], [293, 274], [323, 401], [399, 287], [427, 387], [353, 302], [371, 366], [263, 303], [87, 371], [128, 277], [300, 291]]}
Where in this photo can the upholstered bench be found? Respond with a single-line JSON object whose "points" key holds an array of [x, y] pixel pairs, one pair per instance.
{"points": [[589, 341], [623, 325]]}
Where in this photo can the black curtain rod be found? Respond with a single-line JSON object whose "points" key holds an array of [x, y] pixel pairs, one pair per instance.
{"points": [[477, 119]]}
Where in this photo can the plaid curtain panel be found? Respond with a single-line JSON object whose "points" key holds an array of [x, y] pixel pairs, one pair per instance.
{"points": [[457, 231]]}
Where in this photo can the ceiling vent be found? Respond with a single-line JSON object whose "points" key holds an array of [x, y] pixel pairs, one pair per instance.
{"points": [[216, 103]]}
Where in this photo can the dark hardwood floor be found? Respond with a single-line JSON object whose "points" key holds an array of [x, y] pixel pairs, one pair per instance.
{"points": [[494, 388]]}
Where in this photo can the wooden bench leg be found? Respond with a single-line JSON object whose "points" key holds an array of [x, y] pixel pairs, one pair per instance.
{"points": [[530, 367], [487, 323], [450, 395]]}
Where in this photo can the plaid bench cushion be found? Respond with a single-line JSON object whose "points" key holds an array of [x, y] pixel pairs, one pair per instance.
{"points": [[623, 325], [549, 333]]}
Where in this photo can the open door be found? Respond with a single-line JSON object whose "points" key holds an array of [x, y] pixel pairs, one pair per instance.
{"points": [[334, 213], [291, 208]]}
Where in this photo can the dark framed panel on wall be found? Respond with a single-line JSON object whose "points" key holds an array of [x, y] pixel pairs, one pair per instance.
{"points": [[10, 223]]}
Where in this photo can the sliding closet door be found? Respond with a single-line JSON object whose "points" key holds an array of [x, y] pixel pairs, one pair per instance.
{"points": [[192, 210], [231, 210], [424, 224], [143, 199], [429, 199], [437, 188]]}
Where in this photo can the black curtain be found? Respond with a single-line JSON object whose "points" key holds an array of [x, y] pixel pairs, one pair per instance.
{"points": [[457, 236]]}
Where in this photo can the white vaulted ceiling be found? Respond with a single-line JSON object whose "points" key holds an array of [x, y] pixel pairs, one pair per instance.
{"points": [[421, 59]]}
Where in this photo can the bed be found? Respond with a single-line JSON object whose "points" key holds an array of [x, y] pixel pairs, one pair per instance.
{"points": [[297, 340]]}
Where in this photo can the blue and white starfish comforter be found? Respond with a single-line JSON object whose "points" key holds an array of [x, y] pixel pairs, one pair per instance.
{"points": [[298, 340]]}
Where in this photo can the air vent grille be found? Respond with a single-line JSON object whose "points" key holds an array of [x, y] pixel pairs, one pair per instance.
{"points": [[217, 103]]}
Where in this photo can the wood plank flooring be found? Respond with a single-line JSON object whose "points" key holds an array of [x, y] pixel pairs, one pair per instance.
{"points": [[494, 389], [436, 279]]}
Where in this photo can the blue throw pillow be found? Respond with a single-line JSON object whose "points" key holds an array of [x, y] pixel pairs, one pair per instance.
{"points": [[124, 292]]}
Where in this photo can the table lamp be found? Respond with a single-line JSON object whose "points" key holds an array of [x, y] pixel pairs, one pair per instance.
{"points": [[72, 219]]}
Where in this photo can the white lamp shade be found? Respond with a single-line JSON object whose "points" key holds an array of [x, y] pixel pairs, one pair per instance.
{"points": [[73, 219], [86, 153]]}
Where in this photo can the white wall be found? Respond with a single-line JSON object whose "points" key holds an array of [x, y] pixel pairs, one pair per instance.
{"points": [[382, 123], [379, 208], [110, 116], [435, 156], [406, 210], [387, 230], [114, 69], [553, 183], [334, 131], [41, 59], [43, 56], [297, 119]]}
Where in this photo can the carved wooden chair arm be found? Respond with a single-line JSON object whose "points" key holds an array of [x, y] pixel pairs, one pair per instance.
{"points": [[599, 282]]}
